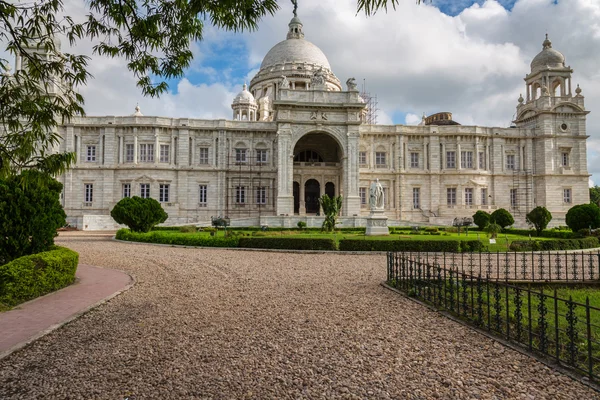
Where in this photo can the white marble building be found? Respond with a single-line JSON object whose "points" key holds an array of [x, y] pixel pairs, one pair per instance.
{"points": [[295, 134]]}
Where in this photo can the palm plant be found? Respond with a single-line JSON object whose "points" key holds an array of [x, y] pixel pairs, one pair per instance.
{"points": [[331, 208]]}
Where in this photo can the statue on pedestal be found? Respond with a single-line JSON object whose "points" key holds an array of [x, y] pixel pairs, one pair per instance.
{"points": [[376, 196]]}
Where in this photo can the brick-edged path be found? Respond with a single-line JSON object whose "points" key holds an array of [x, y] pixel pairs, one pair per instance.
{"points": [[38, 317]]}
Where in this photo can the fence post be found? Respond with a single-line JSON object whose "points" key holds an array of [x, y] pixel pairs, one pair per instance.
{"points": [[508, 312], [589, 338], [557, 338], [572, 333], [518, 313], [542, 323], [529, 322]]}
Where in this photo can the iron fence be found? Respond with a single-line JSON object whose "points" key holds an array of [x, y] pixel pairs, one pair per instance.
{"points": [[540, 321], [563, 266]]}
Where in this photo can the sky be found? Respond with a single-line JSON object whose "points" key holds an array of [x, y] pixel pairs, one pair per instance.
{"points": [[463, 56]]}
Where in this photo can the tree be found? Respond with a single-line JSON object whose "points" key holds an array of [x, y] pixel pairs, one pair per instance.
{"points": [[481, 219], [502, 217], [583, 216], [29, 216], [595, 195], [539, 218], [139, 214], [331, 208]]}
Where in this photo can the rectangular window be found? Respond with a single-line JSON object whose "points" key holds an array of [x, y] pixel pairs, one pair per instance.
{"points": [[469, 196], [164, 153], [126, 190], [510, 161], [240, 194], [466, 159], [163, 193], [450, 159], [484, 197], [481, 160], [89, 192], [380, 161], [416, 198], [203, 155], [202, 199], [362, 192], [567, 196], [240, 155], [414, 160], [261, 156], [451, 196], [129, 152], [144, 190], [565, 159], [91, 154], [362, 157], [146, 152], [261, 195], [513, 198]]}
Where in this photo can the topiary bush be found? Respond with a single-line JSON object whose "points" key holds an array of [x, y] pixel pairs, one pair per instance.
{"points": [[31, 276], [481, 219], [288, 243], [140, 215], [30, 214], [502, 217], [301, 224], [583, 216], [539, 218]]}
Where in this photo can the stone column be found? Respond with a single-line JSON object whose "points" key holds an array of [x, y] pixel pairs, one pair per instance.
{"points": [[285, 197], [156, 146], [443, 158], [458, 157], [477, 153], [135, 146], [121, 149], [193, 151], [172, 150], [351, 175], [302, 199]]}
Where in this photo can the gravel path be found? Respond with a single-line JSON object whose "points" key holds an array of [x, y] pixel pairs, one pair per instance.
{"points": [[218, 324]]}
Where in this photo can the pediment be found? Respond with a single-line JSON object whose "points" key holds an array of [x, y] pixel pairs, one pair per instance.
{"points": [[567, 108], [144, 178]]}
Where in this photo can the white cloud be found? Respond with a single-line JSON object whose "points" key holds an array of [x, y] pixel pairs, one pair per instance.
{"points": [[412, 119]]}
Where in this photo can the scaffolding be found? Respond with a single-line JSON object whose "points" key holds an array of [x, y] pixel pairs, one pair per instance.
{"points": [[523, 184], [372, 105]]}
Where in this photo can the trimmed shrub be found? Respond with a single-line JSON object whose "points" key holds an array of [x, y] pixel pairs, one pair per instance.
{"points": [[583, 216], [539, 218], [549, 233], [502, 217], [481, 219], [31, 276], [140, 215], [30, 214], [188, 229], [301, 224], [493, 229], [552, 245], [399, 245], [176, 238], [287, 243]]}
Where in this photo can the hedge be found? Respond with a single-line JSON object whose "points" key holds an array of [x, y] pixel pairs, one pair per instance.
{"points": [[357, 229], [545, 233], [182, 239], [559, 244], [453, 246], [32, 276], [287, 243]]}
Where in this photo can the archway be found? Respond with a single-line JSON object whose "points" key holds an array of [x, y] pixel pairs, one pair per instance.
{"points": [[296, 198], [312, 192], [330, 189]]}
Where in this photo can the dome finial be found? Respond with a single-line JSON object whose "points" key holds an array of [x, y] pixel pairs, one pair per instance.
{"points": [[245, 86], [295, 3]]}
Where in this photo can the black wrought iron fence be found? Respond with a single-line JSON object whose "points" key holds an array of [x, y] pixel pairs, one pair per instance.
{"points": [[570, 266], [540, 321]]}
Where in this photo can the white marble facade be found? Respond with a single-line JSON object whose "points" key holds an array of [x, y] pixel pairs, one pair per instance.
{"points": [[296, 133]]}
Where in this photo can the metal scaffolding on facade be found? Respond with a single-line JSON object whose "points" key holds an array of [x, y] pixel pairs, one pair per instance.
{"points": [[372, 105]]}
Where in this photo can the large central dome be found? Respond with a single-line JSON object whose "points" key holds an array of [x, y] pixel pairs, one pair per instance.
{"points": [[298, 51]]}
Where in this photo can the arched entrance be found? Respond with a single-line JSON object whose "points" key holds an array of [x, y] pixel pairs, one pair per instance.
{"points": [[330, 189], [312, 192]]}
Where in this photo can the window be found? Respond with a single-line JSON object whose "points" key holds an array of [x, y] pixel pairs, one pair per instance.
{"points": [[146, 152], [164, 153], [380, 161], [129, 152], [469, 196], [261, 156], [163, 193], [91, 154], [513, 198], [240, 155], [89, 192], [466, 159], [203, 155], [416, 198], [450, 159], [414, 160], [510, 161], [240, 194], [202, 199], [481, 160], [261, 195], [145, 190], [451, 196], [362, 192], [567, 196], [126, 190], [565, 159], [362, 157], [484, 197]]}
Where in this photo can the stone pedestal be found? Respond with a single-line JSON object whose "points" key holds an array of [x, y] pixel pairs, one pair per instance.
{"points": [[377, 224]]}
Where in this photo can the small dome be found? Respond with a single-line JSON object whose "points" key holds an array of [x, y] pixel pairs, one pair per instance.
{"points": [[244, 96], [138, 112], [548, 57]]}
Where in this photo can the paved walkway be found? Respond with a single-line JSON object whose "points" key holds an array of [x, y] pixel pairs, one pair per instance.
{"points": [[37, 317]]}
